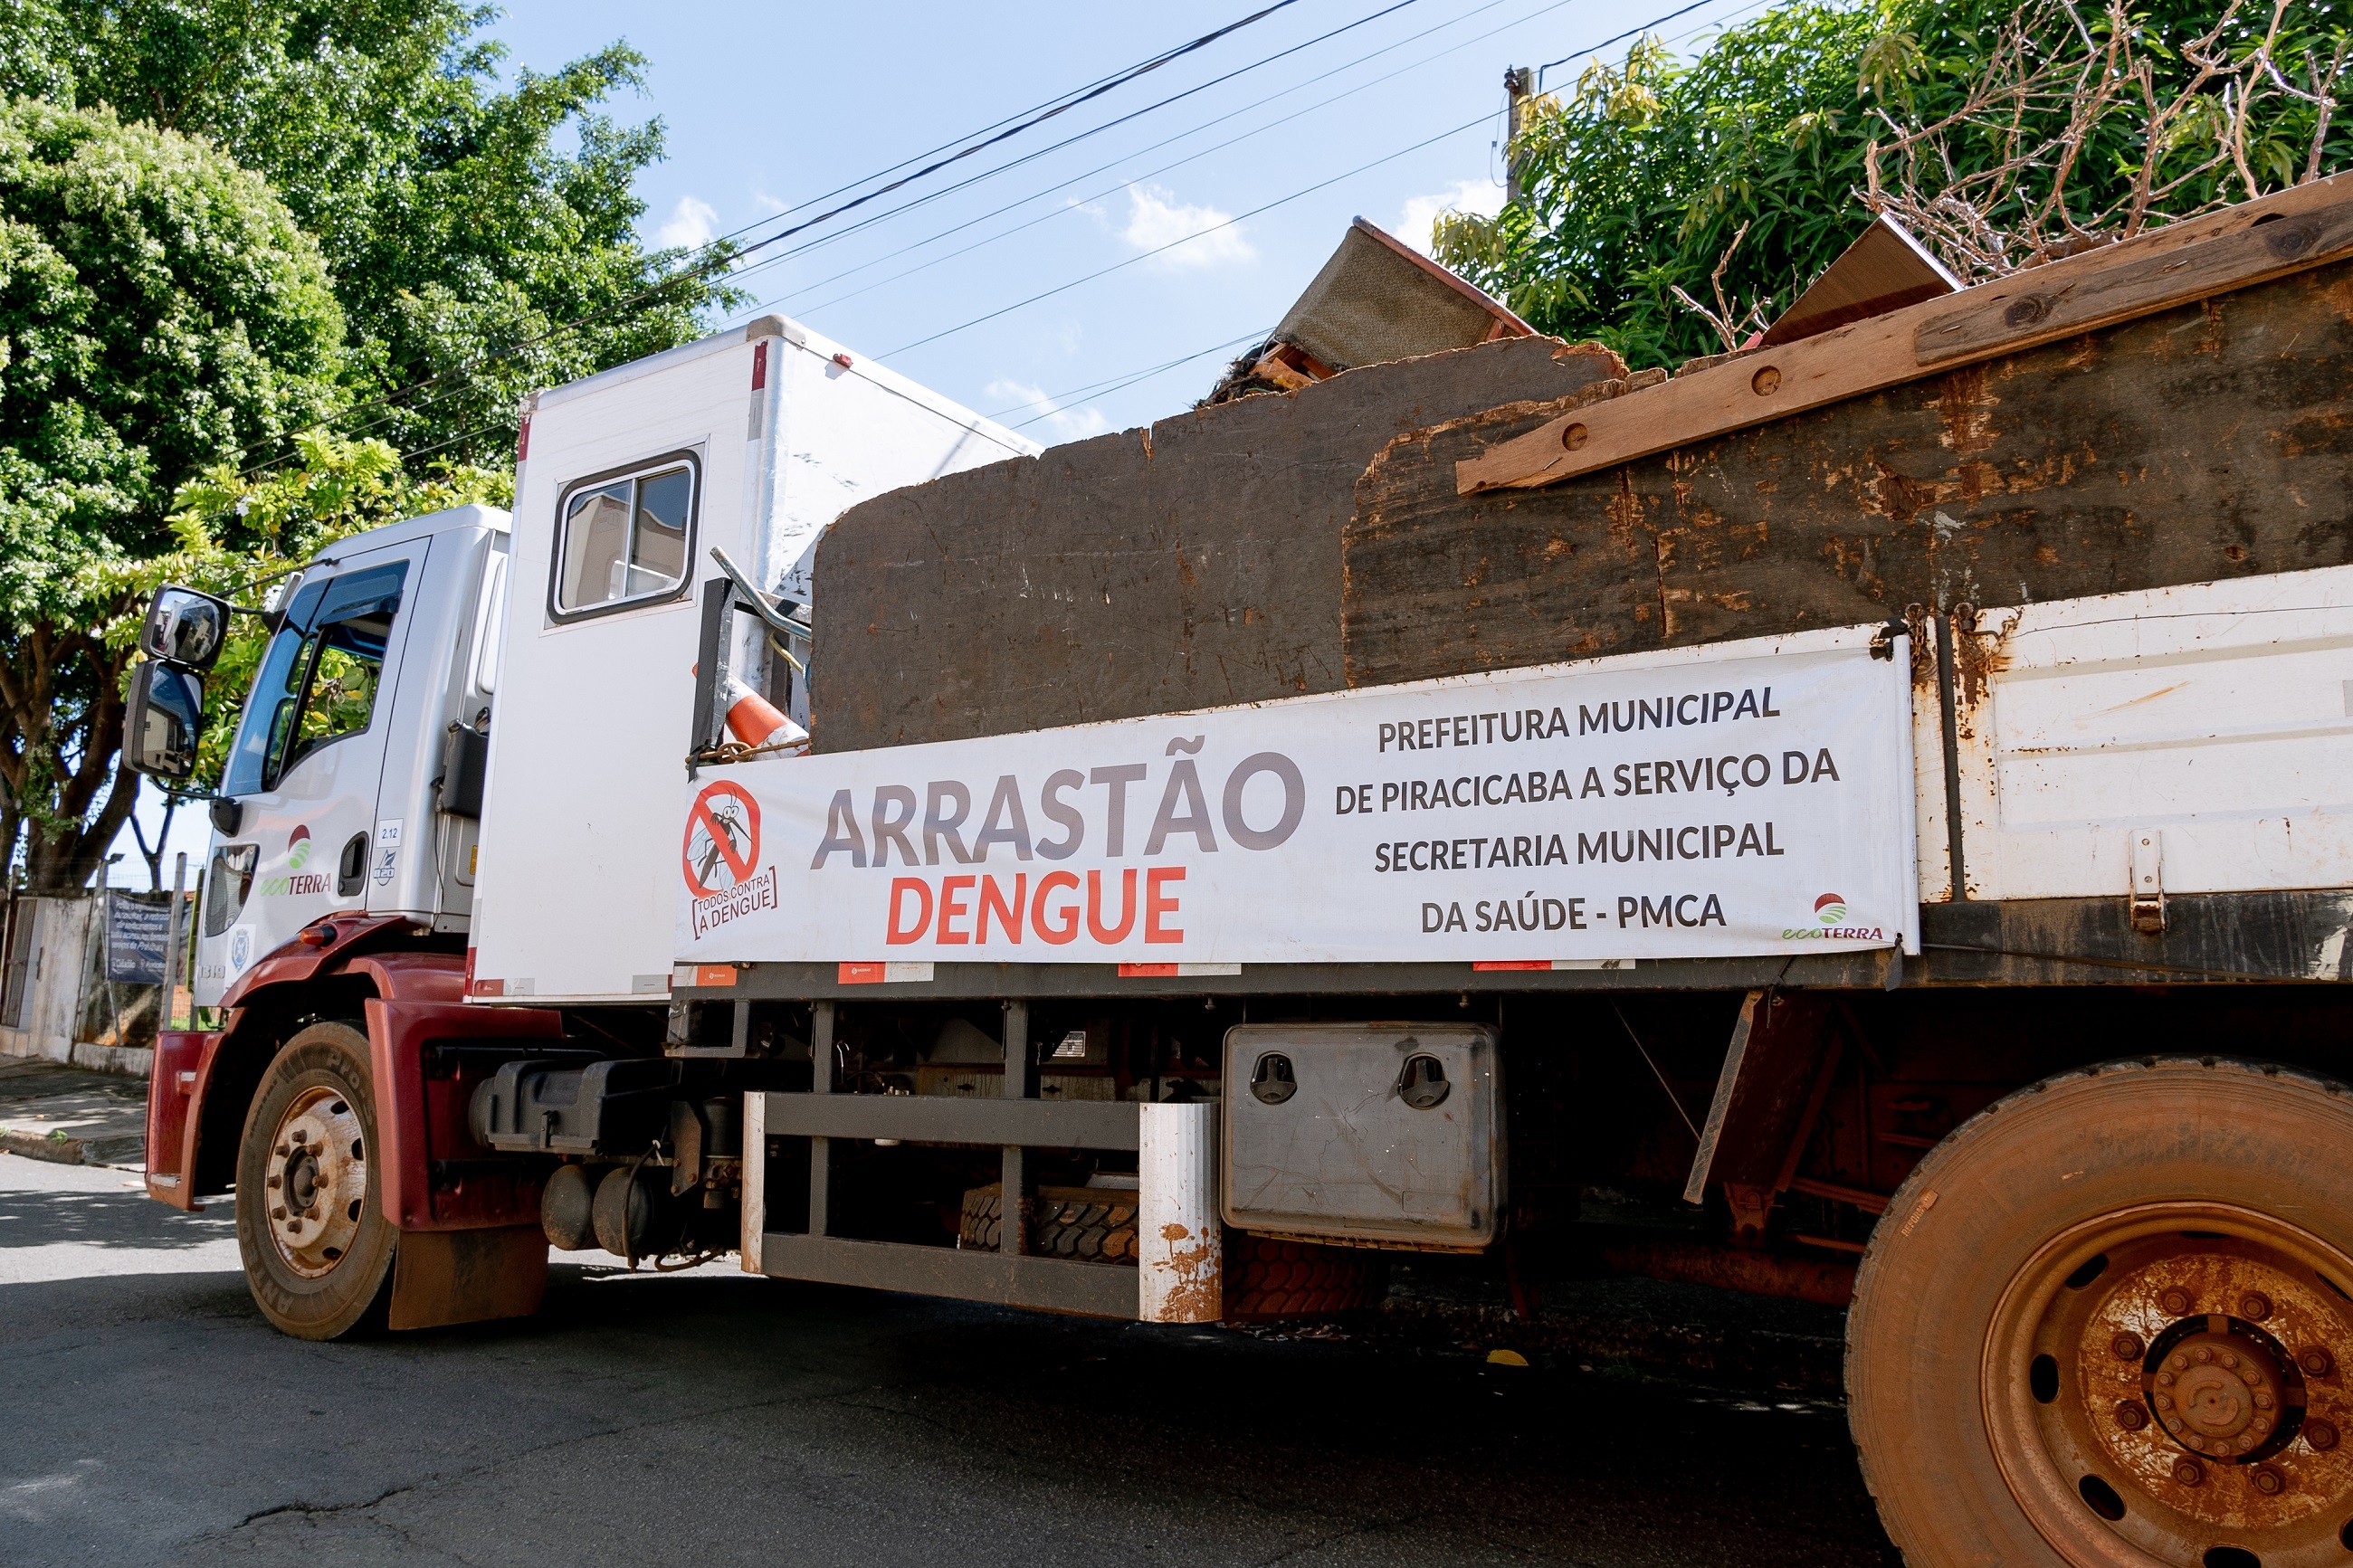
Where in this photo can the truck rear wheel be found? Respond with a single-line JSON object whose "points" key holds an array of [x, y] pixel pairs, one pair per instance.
{"points": [[2109, 1322], [309, 1218]]}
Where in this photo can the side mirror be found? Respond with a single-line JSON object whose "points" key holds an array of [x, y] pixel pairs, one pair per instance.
{"points": [[186, 628], [165, 721]]}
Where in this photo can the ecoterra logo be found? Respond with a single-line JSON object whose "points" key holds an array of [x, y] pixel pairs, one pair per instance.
{"points": [[720, 857], [1829, 924], [296, 881]]}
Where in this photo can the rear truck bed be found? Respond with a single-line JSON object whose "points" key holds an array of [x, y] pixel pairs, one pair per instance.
{"points": [[2056, 1101]]}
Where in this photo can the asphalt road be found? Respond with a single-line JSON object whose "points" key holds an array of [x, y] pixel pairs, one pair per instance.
{"points": [[713, 1419]]}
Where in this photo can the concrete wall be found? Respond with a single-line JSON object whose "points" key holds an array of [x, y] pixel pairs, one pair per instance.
{"points": [[57, 969]]}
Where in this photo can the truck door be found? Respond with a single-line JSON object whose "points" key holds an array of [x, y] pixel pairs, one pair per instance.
{"points": [[307, 765]]}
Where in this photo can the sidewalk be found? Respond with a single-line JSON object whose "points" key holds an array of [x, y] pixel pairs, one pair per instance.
{"points": [[73, 1117]]}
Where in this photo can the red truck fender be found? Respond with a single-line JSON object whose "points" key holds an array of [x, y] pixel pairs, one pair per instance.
{"points": [[436, 1184]]}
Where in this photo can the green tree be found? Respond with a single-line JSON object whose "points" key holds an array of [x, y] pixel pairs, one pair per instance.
{"points": [[1648, 176], [466, 225], [456, 225], [160, 312]]}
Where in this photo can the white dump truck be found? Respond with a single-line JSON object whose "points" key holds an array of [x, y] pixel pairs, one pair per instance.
{"points": [[1866, 820]]}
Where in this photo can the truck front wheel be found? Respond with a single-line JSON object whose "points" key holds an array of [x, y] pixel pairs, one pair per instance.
{"points": [[310, 1221], [2110, 1322]]}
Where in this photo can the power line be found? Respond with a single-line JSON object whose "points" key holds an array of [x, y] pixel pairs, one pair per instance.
{"points": [[991, 173], [1192, 157], [1281, 201], [1618, 38], [713, 252], [1157, 249], [709, 248], [1055, 400], [1053, 108]]}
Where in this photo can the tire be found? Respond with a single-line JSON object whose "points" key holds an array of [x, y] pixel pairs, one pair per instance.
{"points": [[2037, 1351], [1090, 1224], [318, 1269], [1268, 1279]]}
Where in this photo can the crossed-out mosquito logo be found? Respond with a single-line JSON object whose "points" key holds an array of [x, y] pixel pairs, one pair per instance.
{"points": [[720, 857], [298, 847], [1829, 924]]}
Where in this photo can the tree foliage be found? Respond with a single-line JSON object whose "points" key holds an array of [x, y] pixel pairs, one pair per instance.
{"points": [[160, 309], [291, 366], [460, 218], [1638, 179]]}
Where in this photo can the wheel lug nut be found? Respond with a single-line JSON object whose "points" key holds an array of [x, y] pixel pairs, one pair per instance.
{"points": [[2127, 1347], [2194, 1441], [2178, 1362], [2316, 1362], [2254, 1306], [2165, 1402], [2131, 1416], [2188, 1472], [2176, 1301], [2321, 1435], [2269, 1481], [2264, 1400], [2230, 1360]]}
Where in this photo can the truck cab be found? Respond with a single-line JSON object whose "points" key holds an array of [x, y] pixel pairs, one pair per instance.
{"points": [[441, 846], [348, 788]]}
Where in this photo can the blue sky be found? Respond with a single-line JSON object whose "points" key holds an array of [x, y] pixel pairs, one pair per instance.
{"points": [[1163, 234], [767, 108]]}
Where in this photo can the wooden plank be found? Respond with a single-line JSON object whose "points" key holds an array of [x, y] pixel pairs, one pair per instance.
{"points": [[2205, 442], [1882, 352], [1047, 1284], [1997, 318], [1885, 269]]}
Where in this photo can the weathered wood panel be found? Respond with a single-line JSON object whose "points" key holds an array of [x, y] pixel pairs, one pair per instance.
{"points": [[2211, 441], [1193, 563]]}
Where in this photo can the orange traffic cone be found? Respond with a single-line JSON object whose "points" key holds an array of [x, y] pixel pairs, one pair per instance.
{"points": [[756, 722]]}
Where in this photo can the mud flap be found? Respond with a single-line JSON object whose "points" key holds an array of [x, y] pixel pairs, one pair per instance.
{"points": [[1784, 1049], [444, 1277]]}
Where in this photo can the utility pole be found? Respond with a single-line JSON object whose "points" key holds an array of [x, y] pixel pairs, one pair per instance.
{"points": [[1519, 85]]}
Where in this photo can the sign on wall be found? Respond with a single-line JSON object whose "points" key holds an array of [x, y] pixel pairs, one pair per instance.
{"points": [[1741, 799], [138, 932]]}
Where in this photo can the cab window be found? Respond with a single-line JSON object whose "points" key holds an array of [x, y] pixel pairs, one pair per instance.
{"points": [[625, 539], [318, 678]]}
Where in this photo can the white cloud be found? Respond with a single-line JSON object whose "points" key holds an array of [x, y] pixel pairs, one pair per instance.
{"points": [[692, 222], [1062, 424], [1484, 197], [1201, 236]]}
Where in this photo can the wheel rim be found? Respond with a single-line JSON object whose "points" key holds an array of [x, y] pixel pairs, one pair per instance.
{"points": [[2167, 1384], [317, 1180]]}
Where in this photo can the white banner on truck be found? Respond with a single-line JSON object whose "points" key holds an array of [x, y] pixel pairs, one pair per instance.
{"points": [[1741, 798]]}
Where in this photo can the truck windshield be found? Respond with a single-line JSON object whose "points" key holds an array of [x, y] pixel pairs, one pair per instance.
{"points": [[319, 675]]}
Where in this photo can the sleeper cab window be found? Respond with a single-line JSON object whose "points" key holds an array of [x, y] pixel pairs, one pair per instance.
{"points": [[625, 539]]}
